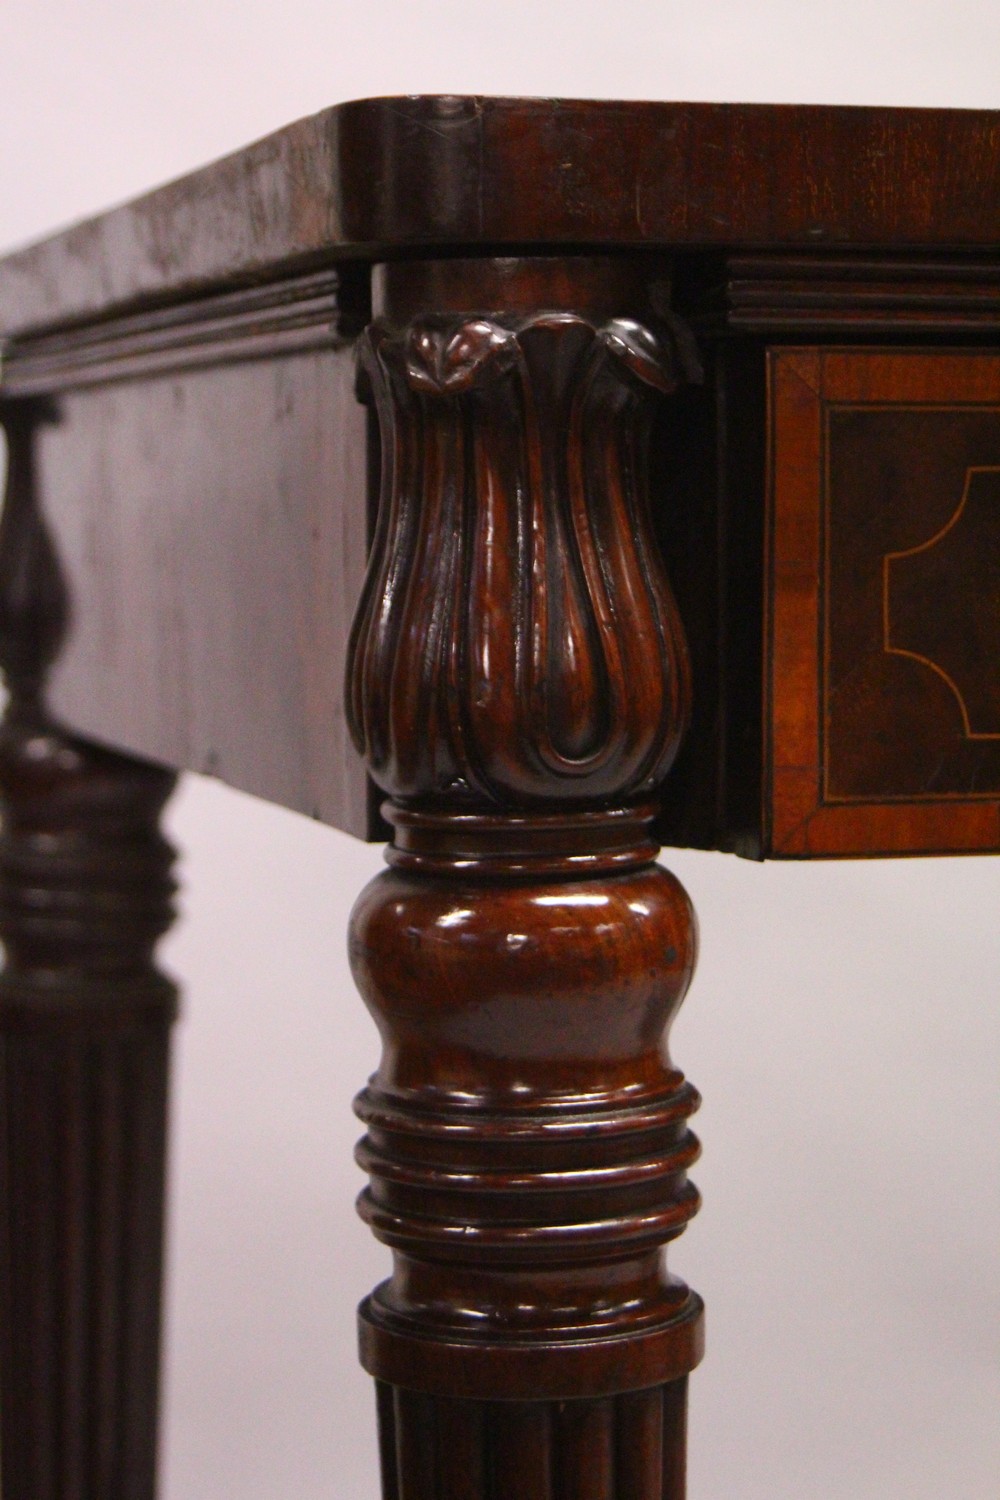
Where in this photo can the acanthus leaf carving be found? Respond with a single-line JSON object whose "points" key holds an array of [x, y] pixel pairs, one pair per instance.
{"points": [[517, 641], [518, 682], [444, 359]]}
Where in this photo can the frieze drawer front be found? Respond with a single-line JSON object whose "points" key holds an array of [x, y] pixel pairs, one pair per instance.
{"points": [[882, 628]]}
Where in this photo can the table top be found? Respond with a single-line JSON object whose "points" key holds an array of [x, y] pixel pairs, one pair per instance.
{"points": [[191, 466], [377, 177]]}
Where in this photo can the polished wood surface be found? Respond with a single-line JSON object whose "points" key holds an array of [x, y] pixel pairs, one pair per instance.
{"points": [[518, 685], [192, 472], [203, 447], [377, 175], [850, 295], [490, 656], [884, 716], [671, 431]]}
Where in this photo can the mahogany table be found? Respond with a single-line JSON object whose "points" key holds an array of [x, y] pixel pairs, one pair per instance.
{"points": [[672, 433]]}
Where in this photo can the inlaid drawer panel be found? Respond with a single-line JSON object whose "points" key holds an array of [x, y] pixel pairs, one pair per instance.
{"points": [[882, 585]]}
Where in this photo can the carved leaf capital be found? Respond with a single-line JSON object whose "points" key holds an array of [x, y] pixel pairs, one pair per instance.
{"points": [[517, 641]]}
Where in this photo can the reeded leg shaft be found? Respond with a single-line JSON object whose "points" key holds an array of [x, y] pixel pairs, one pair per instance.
{"points": [[519, 687], [85, 892], [629, 1446], [84, 1016]]}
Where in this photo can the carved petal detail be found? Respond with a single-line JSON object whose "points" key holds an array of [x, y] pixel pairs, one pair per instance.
{"points": [[444, 359], [640, 352], [517, 639]]}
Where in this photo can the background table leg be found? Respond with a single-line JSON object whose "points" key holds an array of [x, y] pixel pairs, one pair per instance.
{"points": [[85, 892], [84, 1017]]}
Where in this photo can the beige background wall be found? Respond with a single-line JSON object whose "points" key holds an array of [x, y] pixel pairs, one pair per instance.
{"points": [[844, 1023]]}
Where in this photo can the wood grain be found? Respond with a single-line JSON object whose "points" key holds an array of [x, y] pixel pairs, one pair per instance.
{"points": [[182, 547], [377, 176], [548, 663], [883, 635], [630, 1447], [210, 524], [518, 686], [850, 295]]}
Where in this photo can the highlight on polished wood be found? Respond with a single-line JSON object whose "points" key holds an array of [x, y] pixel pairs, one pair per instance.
{"points": [[636, 465], [518, 684]]}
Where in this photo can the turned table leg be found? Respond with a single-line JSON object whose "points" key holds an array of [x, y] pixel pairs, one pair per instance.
{"points": [[519, 685], [85, 892]]}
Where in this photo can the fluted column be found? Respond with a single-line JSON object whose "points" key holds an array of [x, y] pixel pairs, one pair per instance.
{"points": [[85, 892], [519, 686]]}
